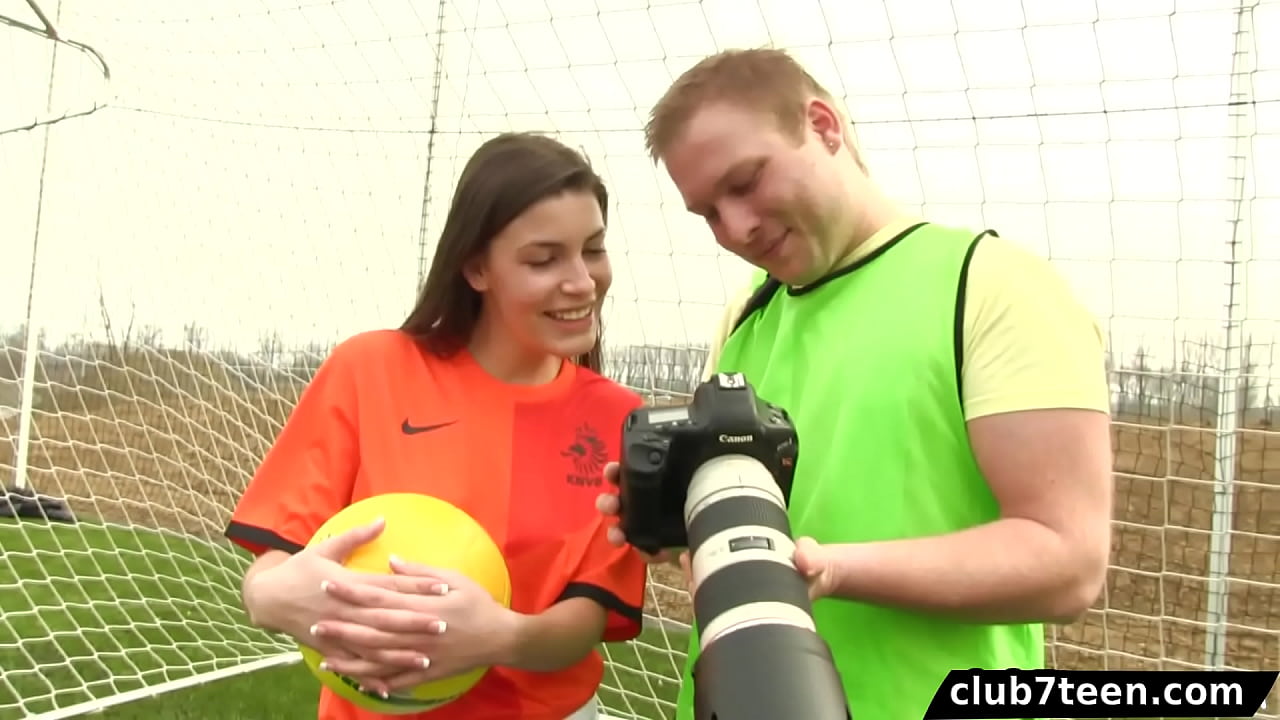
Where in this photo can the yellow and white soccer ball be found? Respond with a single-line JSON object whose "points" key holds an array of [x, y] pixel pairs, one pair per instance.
{"points": [[425, 530]]}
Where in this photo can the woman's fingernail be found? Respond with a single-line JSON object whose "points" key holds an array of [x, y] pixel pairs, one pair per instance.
{"points": [[442, 588], [314, 629], [440, 626], [426, 663], [324, 666], [325, 585]]}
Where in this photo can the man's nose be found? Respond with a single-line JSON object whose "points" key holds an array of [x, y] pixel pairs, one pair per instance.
{"points": [[740, 223]]}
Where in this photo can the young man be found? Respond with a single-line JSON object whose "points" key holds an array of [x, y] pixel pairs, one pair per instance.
{"points": [[953, 490]]}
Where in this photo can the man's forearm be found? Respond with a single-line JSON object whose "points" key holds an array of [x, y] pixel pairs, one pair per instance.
{"points": [[556, 638], [1010, 570]]}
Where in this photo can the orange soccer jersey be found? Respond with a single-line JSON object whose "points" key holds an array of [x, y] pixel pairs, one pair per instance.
{"points": [[382, 415]]}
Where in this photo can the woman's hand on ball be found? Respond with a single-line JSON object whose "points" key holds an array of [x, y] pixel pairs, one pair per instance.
{"points": [[289, 597], [435, 623]]}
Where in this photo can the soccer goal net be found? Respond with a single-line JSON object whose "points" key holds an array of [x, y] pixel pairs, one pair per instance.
{"points": [[197, 200]]}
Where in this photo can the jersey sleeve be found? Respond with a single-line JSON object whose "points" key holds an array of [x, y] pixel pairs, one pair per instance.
{"points": [[615, 578], [308, 473], [1029, 342]]}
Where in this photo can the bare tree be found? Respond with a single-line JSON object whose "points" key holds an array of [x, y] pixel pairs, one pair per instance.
{"points": [[270, 346], [194, 337], [150, 336], [118, 348]]}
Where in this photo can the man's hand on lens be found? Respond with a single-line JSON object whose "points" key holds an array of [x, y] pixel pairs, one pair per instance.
{"points": [[813, 561]]}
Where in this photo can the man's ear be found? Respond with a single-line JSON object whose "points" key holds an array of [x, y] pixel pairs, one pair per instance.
{"points": [[824, 120]]}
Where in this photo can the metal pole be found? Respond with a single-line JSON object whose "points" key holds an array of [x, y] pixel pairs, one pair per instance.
{"points": [[424, 260], [31, 356], [1240, 111]]}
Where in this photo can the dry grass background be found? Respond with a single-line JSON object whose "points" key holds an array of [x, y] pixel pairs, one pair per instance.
{"points": [[170, 442]]}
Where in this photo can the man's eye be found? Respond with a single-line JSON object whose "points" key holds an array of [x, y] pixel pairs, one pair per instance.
{"points": [[744, 187]]}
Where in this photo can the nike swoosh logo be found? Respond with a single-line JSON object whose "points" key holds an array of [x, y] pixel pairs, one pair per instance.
{"points": [[408, 429]]}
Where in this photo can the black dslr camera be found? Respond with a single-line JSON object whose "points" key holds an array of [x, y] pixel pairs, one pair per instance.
{"points": [[664, 449], [715, 476]]}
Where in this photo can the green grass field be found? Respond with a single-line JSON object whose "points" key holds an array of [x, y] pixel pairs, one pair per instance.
{"points": [[103, 611], [288, 693]]}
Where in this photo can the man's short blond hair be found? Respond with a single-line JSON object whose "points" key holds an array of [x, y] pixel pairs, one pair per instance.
{"points": [[760, 79]]}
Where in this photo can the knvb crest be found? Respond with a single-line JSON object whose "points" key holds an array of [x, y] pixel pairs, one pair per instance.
{"points": [[587, 455]]}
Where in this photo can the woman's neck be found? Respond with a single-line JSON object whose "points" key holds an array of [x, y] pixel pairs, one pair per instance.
{"points": [[507, 360]]}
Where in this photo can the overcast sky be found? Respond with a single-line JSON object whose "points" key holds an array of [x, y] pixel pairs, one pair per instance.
{"points": [[258, 165]]}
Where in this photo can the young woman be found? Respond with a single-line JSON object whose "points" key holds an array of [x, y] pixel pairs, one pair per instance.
{"points": [[488, 396]]}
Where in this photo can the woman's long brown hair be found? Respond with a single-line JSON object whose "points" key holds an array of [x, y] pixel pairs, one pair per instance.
{"points": [[505, 176]]}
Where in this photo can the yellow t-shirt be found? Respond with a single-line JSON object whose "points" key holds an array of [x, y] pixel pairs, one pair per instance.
{"points": [[1029, 343]]}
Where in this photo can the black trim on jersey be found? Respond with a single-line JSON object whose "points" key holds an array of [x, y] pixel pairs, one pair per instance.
{"points": [[260, 536], [605, 598], [962, 289], [771, 285], [757, 301]]}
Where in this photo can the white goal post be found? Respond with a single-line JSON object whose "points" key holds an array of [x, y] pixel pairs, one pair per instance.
{"points": [[198, 200]]}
